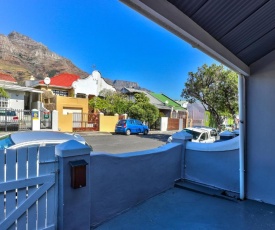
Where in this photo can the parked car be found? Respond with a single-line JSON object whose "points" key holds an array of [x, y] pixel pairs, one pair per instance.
{"points": [[37, 138], [129, 126], [9, 120], [228, 127], [203, 135]]}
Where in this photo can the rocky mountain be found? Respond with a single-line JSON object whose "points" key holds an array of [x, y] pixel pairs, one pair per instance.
{"points": [[119, 84], [23, 57]]}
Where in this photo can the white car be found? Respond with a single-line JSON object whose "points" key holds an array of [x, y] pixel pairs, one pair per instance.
{"points": [[9, 120], [202, 135], [37, 138]]}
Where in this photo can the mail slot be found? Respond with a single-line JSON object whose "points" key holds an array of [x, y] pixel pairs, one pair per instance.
{"points": [[78, 173]]}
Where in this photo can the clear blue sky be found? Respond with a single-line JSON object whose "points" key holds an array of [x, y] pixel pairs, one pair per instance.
{"points": [[121, 43]]}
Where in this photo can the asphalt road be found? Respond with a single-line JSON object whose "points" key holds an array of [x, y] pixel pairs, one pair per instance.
{"points": [[122, 143]]}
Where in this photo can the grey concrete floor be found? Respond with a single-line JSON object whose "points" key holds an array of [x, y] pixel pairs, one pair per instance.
{"points": [[182, 209]]}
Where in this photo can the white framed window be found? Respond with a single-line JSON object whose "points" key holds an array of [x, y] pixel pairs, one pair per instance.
{"points": [[4, 102]]}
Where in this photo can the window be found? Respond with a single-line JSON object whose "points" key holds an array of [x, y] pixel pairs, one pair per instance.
{"points": [[81, 95], [203, 136], [4, 102], [60, 92], [138, 122], [213, 133]]}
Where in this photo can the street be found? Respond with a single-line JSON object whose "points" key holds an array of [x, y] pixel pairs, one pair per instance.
{"points": [[122, 143]]}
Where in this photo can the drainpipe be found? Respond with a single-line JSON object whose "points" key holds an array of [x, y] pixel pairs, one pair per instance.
{"points": [[241, 86]]}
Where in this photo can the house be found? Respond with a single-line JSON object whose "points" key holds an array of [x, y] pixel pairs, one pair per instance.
{"points": [[172, 115], [176, 110], [167, 107], [197, 115], [69, 95], [163, 108], [59, 93], [20, 97], [92, 85], [240, 35], [70, 85]]}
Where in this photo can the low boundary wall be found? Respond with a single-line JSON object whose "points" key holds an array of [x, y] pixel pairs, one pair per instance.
{"points": [[121, 181], [213, 164]]}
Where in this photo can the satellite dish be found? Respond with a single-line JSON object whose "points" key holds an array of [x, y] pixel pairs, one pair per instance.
{"points": [[47, 80]]}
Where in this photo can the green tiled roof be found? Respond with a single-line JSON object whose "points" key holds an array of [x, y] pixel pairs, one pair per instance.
{"points": [[163, 98]]}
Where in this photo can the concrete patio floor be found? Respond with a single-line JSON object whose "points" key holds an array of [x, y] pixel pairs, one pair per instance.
{"points": [[178, 208]]}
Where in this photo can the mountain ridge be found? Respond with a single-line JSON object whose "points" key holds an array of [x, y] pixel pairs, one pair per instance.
{"points": [[22, 57]]}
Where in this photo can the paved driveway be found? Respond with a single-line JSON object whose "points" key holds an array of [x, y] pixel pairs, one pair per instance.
{"points": [[122, 143]]}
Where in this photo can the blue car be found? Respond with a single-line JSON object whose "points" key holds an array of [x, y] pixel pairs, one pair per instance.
{"points": [[129, 126]]}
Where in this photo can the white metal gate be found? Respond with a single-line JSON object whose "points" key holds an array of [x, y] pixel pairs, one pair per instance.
{"points": [[28, 188]]}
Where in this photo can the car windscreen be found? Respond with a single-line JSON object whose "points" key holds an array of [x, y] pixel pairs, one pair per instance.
{"points": [[6, 142], [193, 133], [7, 113]]}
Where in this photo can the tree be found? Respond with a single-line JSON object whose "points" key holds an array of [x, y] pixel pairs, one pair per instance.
{"points": [[110, 102], [3, 93], [143, 110], [216, 88]]}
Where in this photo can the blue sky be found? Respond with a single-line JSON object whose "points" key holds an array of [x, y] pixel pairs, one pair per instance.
{"points": [[121, 43]]}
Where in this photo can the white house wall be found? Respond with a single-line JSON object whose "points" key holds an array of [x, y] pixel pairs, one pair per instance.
{"points": [[92, 85], [260, 130], [16, 99]]}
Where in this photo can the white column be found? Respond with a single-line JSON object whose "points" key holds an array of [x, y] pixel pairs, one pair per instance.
{"points": [[35, 119], [55, 120], [163, 123], [241, 86]]}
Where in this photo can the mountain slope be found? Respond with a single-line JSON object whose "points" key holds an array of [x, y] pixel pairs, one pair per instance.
{"points": [[23, 57]]}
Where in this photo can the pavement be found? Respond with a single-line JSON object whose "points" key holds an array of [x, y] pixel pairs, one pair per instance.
{"points": [[179, 208]]}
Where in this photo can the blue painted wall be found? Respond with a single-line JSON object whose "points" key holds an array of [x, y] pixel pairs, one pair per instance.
{"points": [[260, 154]]}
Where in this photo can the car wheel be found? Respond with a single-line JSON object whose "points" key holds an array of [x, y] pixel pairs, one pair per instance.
{"points": [[128, 132], [145, 132]]}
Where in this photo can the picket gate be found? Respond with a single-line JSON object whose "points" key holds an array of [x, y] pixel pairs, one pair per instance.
{"points": [[28, 188]]}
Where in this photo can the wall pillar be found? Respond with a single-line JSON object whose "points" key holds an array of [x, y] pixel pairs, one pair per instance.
{"points": [[55, 120], [73, 202], [100, 121], [180, 124], [163, 123], [182, 137], [35, 119]]}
